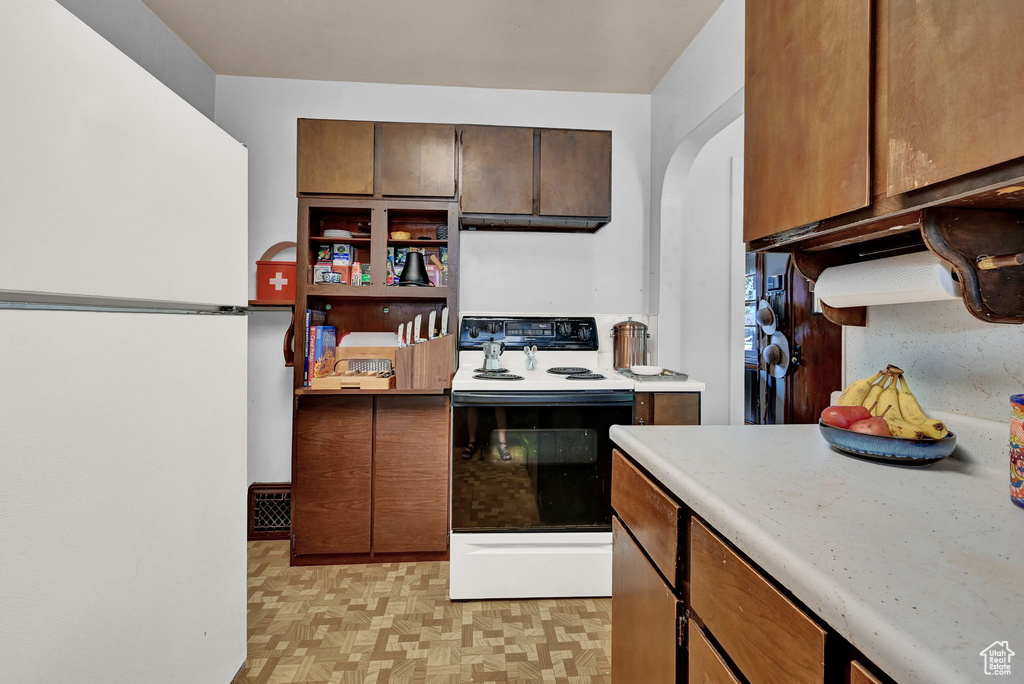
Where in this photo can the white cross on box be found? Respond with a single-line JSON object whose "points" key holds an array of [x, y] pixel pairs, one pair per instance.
{"points": [[278, 281]]}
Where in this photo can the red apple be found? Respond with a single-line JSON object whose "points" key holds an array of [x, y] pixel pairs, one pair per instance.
{"points": [[844, 416], [872, 426]]}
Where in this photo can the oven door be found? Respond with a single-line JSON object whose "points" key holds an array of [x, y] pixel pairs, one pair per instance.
{"points": [[542, 460]]}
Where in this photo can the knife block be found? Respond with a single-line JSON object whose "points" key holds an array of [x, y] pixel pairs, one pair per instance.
{"points": [[427, 365]]}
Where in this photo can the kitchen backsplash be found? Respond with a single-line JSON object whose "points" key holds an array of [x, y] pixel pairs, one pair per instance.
{"points": [[953, 361]]}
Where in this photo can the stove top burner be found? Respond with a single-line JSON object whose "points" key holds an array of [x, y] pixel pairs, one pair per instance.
{"points": [[585, 376], [497, 376], [568, 370], [494, 370]]}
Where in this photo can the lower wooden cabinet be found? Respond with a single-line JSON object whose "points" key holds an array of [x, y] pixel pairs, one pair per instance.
{"points": [[675, 577], [370, 478], [706, 665], [647, 618], [667, 408], [331, 476], [410, 474]]}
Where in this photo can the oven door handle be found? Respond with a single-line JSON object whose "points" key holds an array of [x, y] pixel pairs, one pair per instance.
{"points": [[588, 398]]}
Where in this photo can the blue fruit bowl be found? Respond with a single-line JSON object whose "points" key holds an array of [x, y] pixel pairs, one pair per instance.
{"points": [[894, 450]]}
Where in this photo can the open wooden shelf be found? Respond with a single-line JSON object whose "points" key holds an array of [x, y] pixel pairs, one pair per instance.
{"points": [[264, 305], [340, 240], [385, 292], [417, 243], [305, 391]]}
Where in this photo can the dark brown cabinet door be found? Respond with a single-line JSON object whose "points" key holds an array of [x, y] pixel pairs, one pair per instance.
{"points": [[808, 113], [497, 170], [410, 474], [646, 617], [335, 157], [417, 160], [955, 97], [331, 475], [575, 173], [667, 408]]}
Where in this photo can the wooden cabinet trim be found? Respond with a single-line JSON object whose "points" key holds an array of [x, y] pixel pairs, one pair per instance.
{"points": [[858, 674], [651, 516], [765, 634]]}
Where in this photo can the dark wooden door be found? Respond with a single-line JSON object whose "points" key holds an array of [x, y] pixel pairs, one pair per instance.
{"points": [[955, 97], [575, 173], [817, 344], [331, 475], [497, 170], [335, 157], [417, 160], [646, 617], [410, 474], [808, 113]]}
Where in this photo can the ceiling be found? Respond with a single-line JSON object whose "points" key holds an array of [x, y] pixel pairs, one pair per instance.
{"points": [[610, 46]]}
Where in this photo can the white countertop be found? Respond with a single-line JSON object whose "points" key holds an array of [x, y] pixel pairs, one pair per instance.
{"points": [[919, 568]]}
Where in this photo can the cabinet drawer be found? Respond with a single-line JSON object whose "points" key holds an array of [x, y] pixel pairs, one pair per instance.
{"points": [[764, 633], [646, 618], [858, 674], [653, 518], [706, 665]]}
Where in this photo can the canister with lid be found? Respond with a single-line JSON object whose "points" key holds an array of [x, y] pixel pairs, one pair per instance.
{"points": [[630, 343]]}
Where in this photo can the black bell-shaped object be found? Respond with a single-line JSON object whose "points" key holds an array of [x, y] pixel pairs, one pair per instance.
{"points": [[415, 271]]}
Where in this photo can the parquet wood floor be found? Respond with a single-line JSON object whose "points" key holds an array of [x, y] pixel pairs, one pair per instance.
{"points": [[393, 622]]}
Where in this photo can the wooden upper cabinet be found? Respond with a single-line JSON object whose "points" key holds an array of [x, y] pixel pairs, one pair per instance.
{"points": [[808, 112], [497, 170], [575, 173], [335, 157], [331, 475], [417, 160], [955, 98]]}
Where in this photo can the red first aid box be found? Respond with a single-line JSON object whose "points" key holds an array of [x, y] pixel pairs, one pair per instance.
{"points": [[275, 280]]}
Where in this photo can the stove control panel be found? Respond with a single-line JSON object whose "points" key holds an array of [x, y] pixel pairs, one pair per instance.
{"points": [[556, 333]]}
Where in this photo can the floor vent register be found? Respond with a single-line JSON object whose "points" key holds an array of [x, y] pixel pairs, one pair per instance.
{"points": [[270, 510]]}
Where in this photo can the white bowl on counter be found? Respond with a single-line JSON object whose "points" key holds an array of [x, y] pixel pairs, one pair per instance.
{"points": [[646, 370]]}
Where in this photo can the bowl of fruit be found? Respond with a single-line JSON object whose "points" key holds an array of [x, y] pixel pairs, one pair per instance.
{"points": [[879, 418]]}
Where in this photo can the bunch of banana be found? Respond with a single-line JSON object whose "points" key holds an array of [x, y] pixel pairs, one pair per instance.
{"points": [[888, 395]]}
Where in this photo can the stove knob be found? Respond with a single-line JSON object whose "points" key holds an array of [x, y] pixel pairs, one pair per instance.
{"points": [[474, 332], [584, 334], [565, 328], [493, 327]]}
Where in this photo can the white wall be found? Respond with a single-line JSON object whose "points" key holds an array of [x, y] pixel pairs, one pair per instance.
{"points": [[699, 269], [500, 272], [121, 465], [133, 28], [953, 361], [694, 255]]}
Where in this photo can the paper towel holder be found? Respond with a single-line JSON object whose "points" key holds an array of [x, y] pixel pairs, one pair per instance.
{"points": [[961, 236]]}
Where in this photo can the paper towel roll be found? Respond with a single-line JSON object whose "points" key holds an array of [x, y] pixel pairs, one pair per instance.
{"points": [[919, 277]]}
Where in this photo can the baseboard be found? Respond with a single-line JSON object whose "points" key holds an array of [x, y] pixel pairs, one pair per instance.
{"points": [[270, 510]]}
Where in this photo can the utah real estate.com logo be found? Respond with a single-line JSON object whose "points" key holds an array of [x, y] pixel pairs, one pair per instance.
{"points": [[997, 658]]}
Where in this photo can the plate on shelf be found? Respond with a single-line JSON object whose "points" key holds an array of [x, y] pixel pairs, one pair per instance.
{"points": [[646, 370], [893, 450]]}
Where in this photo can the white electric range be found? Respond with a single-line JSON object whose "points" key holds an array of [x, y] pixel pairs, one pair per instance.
{"points": [[531, 475]]}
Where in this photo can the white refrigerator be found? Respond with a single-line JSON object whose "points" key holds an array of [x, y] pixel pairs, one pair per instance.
{"points": [[123, 282]]}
